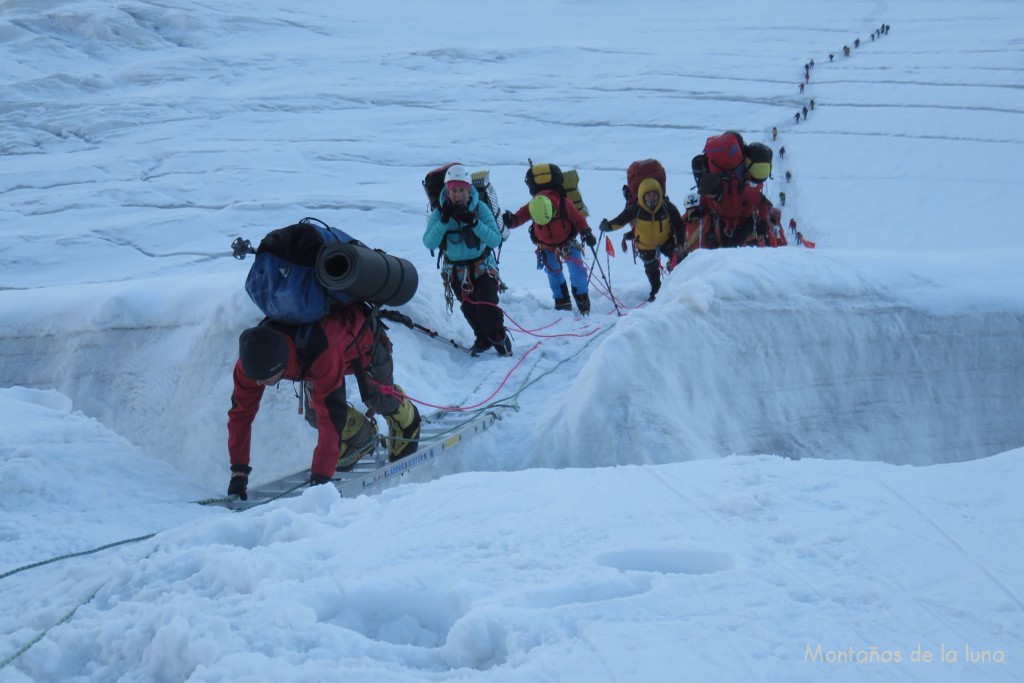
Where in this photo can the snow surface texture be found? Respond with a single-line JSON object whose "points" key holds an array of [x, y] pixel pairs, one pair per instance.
{"points": [[706, 488]]}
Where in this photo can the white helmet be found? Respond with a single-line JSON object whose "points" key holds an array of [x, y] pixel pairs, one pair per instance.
{"points": [[458, 174], [691, 200]]}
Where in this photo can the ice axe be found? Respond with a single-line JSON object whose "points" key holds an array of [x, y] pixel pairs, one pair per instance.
{"points": [[401, 318]]}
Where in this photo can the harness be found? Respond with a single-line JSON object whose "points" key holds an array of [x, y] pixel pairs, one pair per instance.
{"points": [[738, 206], [563, 254], [464, 273], [303, 354]]}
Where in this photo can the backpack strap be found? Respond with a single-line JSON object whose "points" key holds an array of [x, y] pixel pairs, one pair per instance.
{"points": [[377, 329], [301, 338], [573, 232], [304, 393]]}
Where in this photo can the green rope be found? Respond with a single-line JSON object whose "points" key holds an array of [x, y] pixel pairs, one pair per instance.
{"points": [[226, 499], [79, 554], [66, 618], [527, 383], [511, 401]]}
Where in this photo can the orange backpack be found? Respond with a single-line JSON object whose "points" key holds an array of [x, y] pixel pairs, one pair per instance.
{"points": [[637, 172]]}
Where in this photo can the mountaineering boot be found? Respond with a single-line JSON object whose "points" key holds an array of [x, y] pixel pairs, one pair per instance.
{"points": [[403, 429], [653, 271], [479, 346], [583, 303], [563, 303], [504, 347], [358, 438]]}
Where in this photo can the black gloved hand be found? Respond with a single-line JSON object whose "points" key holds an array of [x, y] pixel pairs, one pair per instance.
{"points": [[469, 220], [589, 239], [509, 219], [469, 237], [604, 226], [460, 211], [446, 211], [239, 484], [318, 479]]}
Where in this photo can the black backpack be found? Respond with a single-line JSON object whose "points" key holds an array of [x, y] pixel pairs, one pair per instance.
{"points": [[551, 177], [545, 177], [433, 183]]}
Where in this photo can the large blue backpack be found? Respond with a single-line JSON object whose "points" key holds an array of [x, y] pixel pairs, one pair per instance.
{"points": [[283, 282], [303, 270]]}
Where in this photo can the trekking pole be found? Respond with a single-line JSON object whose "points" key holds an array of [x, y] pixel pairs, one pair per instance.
{"points": [[590, 271], [403, 319], [608, 284], [609, 251]]}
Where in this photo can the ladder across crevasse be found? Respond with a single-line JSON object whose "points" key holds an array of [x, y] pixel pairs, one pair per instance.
{"points": [[439, 433]]}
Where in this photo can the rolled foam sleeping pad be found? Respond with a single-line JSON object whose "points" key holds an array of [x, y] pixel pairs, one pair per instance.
{"points": [[366, 274]]}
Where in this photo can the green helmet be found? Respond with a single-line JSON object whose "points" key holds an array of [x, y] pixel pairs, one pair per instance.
{"points": [[541, 210]]}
